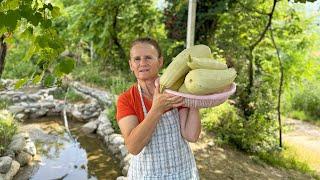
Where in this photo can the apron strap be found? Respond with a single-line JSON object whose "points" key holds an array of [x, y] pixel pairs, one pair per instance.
{"points": [[142, 102]]}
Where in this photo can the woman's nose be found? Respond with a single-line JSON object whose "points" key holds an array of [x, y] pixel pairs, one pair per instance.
{"points": [[144, 61]]}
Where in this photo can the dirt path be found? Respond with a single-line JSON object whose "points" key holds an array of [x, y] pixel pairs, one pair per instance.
{"points": [[218, 163], [305, 139]]}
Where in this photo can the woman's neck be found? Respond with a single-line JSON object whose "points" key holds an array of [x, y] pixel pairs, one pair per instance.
{"points": [[147, 87]]}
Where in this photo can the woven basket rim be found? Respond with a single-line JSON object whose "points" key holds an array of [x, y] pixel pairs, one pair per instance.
{"points": [[221, 95]]}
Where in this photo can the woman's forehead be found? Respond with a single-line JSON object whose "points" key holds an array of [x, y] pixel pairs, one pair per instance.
{"points": [[143, 49]]}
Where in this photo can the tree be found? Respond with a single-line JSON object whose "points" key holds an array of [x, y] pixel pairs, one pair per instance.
{"points": [[32, 20], [111, 26], [239, 35]]}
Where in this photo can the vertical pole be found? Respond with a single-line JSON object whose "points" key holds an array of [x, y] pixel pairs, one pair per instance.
{"points": [[191, 22], [91, 50]]}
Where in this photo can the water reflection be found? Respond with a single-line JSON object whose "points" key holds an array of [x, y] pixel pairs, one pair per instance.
{"points": [[64, 157]]}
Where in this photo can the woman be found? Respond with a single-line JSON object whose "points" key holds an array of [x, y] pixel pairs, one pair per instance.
{"points": [[154, 125]]}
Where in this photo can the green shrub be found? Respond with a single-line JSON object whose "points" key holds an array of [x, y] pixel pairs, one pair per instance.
{"points": [[114, 81], [308, 101], [4, 103], [111, 114], [16, 67], [287, 158], [253, 135], [72, 95], [7, 129]]}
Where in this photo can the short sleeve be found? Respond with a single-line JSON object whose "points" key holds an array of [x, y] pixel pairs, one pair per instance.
{"points": [[124, 107]]}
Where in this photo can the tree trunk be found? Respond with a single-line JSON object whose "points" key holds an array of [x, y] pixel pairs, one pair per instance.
{"points": [[280, 87], [3, 52]]}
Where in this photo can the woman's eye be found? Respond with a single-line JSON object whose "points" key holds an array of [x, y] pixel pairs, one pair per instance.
{"points": [[149, 58]]}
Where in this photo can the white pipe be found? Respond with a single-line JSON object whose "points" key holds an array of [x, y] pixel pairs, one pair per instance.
{"points": [[191, 22]]}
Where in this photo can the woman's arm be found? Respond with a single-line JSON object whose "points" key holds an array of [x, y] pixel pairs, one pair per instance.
{"points": [[137, 136], [190, 124]]}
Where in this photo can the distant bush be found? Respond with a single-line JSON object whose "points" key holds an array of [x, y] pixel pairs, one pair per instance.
{"points": [[16, 67], [4, 103], [72, 95], [111, 114], [254, 135], [7, 129], [116, 81], [308, 101]]}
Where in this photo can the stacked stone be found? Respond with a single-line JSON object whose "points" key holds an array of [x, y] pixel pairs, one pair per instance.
{"points": [[20, 153], [42, 103], [103, 127], [32, 106], [102, 96]]}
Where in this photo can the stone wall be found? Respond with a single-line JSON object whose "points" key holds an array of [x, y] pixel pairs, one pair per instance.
{"points": [[34, 105], [20, 153], [113, 141]]}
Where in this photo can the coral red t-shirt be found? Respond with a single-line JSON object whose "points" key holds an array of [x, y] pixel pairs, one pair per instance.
{"points": [[129, 103]]}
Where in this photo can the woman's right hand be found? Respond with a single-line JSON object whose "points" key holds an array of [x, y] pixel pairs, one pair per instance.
{"points": [[164, 101]]}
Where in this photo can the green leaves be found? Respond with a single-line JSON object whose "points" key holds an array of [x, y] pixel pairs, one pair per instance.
{"points": [[55, 12], [10, 19], [9, 5], [66, 65], [20, 83], [49, 80]]}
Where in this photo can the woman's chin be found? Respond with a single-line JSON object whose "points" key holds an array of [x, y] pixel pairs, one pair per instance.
{"points": [[145, 77]]}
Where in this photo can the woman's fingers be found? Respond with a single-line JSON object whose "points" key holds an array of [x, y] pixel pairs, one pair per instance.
{"points": [[176, 99], [178, 105]]}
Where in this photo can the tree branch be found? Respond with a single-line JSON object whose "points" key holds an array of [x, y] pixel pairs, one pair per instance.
{"points": [[280, 86], [252, 10], [266, 28]]}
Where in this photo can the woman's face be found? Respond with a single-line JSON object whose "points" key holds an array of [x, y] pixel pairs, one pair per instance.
{"points": [[144, 61]]}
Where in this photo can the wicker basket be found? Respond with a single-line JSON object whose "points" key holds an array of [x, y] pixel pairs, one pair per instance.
{"points": [[206, 100]]}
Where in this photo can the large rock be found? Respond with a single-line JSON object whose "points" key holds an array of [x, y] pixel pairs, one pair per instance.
{"points": [[108, 131], [17, 144], [125, 170], [123, 150], [118, 140], [16, 109], [34, 97], [76, 114], [47, 105], [30, 147], [20, 116], [90, 127], [39, 113], [5, 164], [15, 166], [24, 158], [21, 135], [113, 148], [10, 153], [126, 160], [113, 136], [121, 178]]}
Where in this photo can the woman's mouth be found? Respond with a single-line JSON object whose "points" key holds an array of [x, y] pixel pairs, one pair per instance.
{"points": [[144, 70]]}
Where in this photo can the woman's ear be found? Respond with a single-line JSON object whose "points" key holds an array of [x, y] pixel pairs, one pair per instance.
{"points": [[130, 64], [161, 62]]}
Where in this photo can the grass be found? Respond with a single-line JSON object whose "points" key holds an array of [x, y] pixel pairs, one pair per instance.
{"points": [[7, 129], [72, 95], [111, 113], [4, 103], [290, 158], [303, 116], [114, 81]]}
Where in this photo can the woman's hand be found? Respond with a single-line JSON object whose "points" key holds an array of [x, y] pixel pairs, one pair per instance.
{"points": [[164, 101]]}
